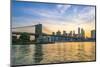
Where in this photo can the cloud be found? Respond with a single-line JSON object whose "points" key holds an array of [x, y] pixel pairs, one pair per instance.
{"points": [[63, 8], [57, 17], [22, 21], [56, 12], [87, 14], [45, 13]]}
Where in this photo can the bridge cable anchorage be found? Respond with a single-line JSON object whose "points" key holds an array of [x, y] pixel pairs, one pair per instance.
{"points": [[23, 26]]}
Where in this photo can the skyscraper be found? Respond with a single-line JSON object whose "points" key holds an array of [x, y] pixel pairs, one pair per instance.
{"points": [[58, 33], [79, 32], [74, 33], [93, 34], [82, 33], [64, 33], [53, 33], [70, 34]]}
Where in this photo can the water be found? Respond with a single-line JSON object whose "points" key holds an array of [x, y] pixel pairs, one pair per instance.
{"points": [[52, 53]]}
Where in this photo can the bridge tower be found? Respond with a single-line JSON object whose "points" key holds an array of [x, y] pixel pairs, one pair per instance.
{"points": [[38, 31]]}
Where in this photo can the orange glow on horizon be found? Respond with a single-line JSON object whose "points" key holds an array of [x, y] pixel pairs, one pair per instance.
{"points": [[71, 27]]}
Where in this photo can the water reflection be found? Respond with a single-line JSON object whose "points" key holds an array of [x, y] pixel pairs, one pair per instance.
{"points": [[38, 53], [52, 53]]}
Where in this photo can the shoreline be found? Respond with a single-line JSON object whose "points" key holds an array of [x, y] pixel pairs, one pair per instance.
{"points": [[50, 42]]}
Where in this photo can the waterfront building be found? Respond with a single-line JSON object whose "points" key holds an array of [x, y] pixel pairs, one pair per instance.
{"points": [[58, 33], [53, 37]]}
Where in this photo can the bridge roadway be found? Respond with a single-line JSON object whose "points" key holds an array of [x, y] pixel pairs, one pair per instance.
{"points": [[43, 34]]}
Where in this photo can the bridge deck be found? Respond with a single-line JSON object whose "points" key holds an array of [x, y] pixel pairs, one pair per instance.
{"points": [[18, 33]]}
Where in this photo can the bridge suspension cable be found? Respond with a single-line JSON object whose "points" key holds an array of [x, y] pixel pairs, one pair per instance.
{"points": [[23, 26]]}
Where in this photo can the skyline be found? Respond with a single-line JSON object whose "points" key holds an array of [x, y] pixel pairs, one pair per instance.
{"points": [[54, 16]]}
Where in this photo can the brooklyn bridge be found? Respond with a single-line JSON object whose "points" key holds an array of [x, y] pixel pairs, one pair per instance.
{"points": [[42, 37]]}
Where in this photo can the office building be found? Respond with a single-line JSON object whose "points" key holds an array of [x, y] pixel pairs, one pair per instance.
{"points": [[58, 33], [79, 32], [53, 33], [64, 33], [70, 34], [82, 33], [93, 34]]}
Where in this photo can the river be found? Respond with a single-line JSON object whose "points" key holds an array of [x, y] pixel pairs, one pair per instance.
{"points": [[52, 53]]}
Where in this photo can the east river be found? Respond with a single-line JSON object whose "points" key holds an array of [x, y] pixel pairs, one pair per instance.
{"points": [[52, 53]]}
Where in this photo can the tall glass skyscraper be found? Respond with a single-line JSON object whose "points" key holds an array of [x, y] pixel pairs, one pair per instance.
{"points": [[93, 34]]}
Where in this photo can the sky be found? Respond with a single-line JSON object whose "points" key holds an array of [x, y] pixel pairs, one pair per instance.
{"points": [[54, 17]]}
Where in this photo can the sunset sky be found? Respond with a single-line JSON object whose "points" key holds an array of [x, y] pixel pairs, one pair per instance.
{"points": [[54, 17]]}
